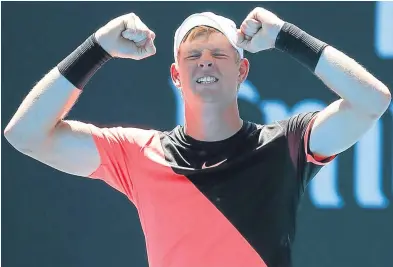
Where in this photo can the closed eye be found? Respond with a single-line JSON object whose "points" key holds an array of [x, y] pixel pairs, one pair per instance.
{"points": [[192, 57], [216, 55], [220, 55]]}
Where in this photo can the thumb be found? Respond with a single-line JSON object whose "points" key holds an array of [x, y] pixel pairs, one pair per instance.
{"points": [[241, 41], [152, 35], [150, 47]]}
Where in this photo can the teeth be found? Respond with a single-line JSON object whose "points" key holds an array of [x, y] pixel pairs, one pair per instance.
{"points": [[207, 79]]}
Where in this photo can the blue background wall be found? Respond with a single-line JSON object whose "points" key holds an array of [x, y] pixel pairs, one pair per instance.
{"points": [[54, 219]]}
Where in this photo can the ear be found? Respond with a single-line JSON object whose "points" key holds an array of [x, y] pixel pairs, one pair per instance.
{"points": [[244, 68], [175, 75]]}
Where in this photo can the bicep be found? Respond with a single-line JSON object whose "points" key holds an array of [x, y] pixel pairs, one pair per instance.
{"points": [[338, 127], [69, 148]]}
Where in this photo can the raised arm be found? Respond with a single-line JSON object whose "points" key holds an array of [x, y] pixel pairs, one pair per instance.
{"points": [[364, 98], [38, 128]]}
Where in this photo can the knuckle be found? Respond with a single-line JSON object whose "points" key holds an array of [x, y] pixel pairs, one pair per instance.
{"points": [[131, 17], [127, 17]]}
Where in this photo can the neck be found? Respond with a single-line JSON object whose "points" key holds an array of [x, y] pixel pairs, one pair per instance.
{"points": [[212, 121]]}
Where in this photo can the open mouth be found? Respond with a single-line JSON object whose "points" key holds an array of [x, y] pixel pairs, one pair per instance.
{"points": [[207, 80]]}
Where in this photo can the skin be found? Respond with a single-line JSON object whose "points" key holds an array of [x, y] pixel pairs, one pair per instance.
{"points": [[211, 110], [39, 129], [363, 98]]}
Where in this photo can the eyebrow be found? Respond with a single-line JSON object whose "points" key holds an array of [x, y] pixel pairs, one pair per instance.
{"points": [[194, 51], [215, 50]]}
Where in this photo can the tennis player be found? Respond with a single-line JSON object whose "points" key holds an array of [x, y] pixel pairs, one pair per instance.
{"points": [[217, 191]]}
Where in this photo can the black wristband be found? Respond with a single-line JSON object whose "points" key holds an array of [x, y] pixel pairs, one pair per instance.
{"points": [[300, 45], [80, 65]]}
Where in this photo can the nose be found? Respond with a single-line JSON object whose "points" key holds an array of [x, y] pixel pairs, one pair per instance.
{"points": [[205, 64], [205, 61]]}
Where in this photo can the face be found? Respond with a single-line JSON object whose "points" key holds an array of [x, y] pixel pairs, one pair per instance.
{"points": [[209, 69]]}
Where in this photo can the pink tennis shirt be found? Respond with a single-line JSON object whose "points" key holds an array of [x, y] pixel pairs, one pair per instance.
{"points": [[230, 203]]}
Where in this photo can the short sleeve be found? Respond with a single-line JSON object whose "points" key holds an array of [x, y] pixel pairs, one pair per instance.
{"points": [[119, 150], [297, 130]]}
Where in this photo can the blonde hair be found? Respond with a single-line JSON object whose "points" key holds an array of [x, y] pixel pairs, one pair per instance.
{"points": [[199, 31]]}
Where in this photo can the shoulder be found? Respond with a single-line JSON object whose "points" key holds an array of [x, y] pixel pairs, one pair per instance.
{"points": [[270, 130], [123, 134], [288, 128], [297, 122]]}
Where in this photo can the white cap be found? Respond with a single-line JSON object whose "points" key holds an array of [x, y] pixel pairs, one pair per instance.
{"points": [[224, 25]]}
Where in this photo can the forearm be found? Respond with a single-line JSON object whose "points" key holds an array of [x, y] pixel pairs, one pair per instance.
{"points": [[352, 82], [46, 104]]}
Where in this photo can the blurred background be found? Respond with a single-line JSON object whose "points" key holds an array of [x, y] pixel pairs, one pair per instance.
{"points": [[54, 219]]}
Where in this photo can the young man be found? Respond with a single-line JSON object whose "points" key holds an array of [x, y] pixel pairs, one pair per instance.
{"points": [[217, 191]]}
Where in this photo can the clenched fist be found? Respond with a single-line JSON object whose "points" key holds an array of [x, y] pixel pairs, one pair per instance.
{"points": [[259, 30], [127, 37]]}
